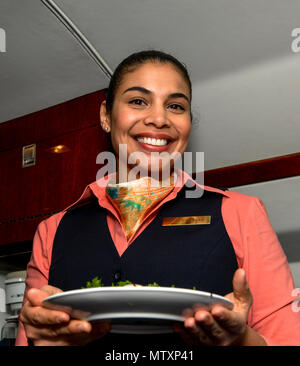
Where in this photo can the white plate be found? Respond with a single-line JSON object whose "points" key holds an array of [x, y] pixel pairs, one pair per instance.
{"points": [[134, 310]]}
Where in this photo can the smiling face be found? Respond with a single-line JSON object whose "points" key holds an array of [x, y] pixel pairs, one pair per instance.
{"points": [[151, 112]]}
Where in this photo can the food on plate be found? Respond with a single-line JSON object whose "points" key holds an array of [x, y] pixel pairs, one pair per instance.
{"points": [[96, 282]]}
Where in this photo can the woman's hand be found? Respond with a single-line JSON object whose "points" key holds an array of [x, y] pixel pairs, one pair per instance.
{"points": [[220, 326], [47, 327]]}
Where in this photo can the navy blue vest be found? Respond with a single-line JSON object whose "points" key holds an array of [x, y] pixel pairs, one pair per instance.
{"points": [[183, 256]]}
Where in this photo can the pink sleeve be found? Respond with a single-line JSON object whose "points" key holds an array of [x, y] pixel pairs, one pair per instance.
{"points": [[39, 264], [270, 280]]}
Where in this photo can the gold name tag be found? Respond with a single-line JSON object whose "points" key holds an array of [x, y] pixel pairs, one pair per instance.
{"points": [[186, 220]]}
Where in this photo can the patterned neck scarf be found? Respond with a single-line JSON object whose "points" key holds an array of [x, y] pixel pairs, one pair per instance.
{"points": [[134, 200]]}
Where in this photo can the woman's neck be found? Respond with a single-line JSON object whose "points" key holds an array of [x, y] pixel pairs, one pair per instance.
{"points": [[156, 179]]}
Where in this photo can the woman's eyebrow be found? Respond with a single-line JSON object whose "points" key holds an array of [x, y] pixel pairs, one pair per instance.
{"points": [[179, 95], [146, 91], [138, 88]]}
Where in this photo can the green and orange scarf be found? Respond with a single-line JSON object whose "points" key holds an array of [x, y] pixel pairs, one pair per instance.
{"points": [[134, 200]]}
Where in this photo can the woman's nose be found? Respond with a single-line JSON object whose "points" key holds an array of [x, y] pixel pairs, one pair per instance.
{"points": [[157, 116]]}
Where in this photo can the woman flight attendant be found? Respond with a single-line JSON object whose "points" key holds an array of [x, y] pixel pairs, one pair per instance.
{"points": [[115, 231]]}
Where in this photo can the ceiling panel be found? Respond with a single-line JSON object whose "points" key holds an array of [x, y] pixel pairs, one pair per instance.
{"points": [[212, 37], [43, 64]]}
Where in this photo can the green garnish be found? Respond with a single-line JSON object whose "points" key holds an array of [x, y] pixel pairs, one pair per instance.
{"points": [[122, 283], [154, 284], [96, 282]]}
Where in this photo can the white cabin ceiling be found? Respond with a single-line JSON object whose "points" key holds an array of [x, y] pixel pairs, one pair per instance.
{"points": [[44, 64]]}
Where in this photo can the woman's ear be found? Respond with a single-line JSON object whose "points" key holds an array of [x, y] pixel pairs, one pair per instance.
{"points": [[104, 117]]}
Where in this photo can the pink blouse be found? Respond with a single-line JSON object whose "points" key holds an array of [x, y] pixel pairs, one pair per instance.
{"points": [[255, 243]]}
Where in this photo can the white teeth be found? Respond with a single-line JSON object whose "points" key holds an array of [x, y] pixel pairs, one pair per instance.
{"points": [[151, 141]]}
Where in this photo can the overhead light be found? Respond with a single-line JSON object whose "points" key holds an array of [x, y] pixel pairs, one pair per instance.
{"points": [[58, 149], [79, 36]]}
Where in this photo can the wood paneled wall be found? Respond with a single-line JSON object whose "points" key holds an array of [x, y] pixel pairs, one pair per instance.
{"points": [[265, 170], [29, 195]]}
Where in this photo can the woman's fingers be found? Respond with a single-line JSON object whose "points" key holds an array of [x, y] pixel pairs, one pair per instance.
{"points": [[73, 327], [204, 327], [38, 315], [34, 313], [198, 332], [219, 326], [241, 295], [74, 332], [229, 320], [76, 339], [52, 327], [209, 325], [36, 296]]}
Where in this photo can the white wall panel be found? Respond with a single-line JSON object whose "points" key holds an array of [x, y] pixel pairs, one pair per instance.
{"points": [[282, 200], [295, 268]]}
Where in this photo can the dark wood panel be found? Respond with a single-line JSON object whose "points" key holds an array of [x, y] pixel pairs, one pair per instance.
{"points": [[64, 176], [56, 181], [19, 231], [10, 167], [29, 195], [72, 115], [254, 172]]}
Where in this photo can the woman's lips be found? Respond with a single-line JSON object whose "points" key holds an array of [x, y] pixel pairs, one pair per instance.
{"points": [[154, 135], [160, 141], [153, 148]]}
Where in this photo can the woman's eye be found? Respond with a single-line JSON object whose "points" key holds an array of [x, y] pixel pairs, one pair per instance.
{"points": [[176, 107], [137, 102]]}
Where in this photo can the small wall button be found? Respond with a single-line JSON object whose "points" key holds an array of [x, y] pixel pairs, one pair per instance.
{"points": [[28, 155]]}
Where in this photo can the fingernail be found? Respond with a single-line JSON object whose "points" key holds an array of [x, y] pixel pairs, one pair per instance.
{"points": [[82, 327], [189, 323], [61, 319], [201, 317]]}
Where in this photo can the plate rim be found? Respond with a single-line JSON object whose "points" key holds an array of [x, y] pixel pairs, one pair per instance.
{"points": [[137, 289]]}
